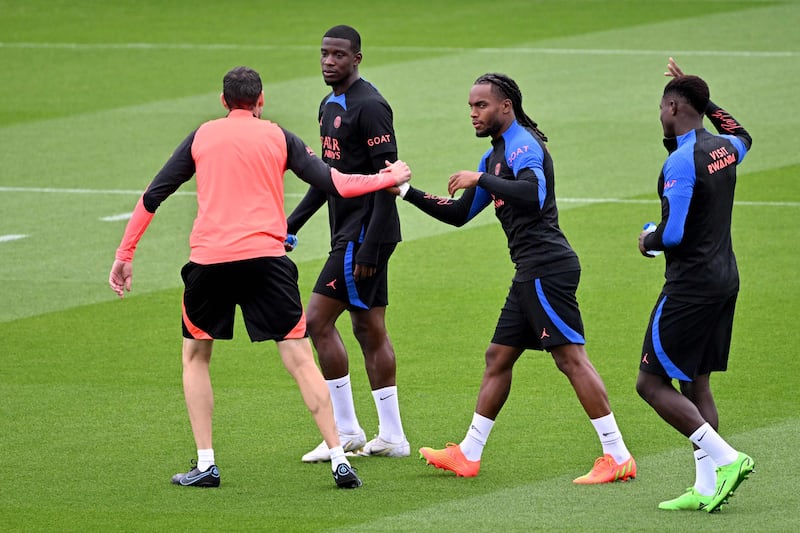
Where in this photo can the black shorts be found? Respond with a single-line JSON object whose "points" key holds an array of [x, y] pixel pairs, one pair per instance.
{"points": [[685, 340], [265, 289], [336, 279], [541, 313]]}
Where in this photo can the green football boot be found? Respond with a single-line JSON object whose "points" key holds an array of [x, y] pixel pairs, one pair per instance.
{"points": [[729, 477], [691, 500]]}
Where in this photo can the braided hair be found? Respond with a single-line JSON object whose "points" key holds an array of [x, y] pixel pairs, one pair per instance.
{"points": [[505, 87]]}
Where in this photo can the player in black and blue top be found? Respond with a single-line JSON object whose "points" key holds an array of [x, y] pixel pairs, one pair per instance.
{"points": [[689, 333], [357, 132], [541, 311]]}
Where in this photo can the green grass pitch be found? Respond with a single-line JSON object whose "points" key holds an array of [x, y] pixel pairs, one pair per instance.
{"points": [[96, 95]]}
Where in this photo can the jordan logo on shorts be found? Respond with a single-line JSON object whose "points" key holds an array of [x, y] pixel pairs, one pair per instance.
{"points": [[644, 359], [544, 334], [331, 284]]}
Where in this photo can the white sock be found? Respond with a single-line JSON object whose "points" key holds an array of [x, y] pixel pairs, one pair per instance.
{"points": [[709, 440], [611, 438], [337, 457], [477, 435], [705, 481], [390, 428], [344, 411], [205, 458]]}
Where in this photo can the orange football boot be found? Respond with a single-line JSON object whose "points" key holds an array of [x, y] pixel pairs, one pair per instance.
{"points": [[607, 470], [451, 458]]}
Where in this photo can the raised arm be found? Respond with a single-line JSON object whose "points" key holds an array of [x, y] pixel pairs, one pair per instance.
{"points": [[723, 122]]}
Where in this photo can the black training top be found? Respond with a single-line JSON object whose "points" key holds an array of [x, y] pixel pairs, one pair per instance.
{"points": [[517, 176], [357, 135], [696, 187]]}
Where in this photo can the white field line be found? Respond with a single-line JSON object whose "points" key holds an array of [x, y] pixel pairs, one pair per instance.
{"points": [[407, 49], [8, 238], [569, 200], [115, 218]]}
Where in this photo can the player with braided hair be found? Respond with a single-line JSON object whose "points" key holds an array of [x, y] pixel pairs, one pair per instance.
{"points": [[508, 88], [541, 311]]}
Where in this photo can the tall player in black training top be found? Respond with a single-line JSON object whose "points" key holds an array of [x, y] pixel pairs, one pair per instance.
{"points": [[357, 134], [541, 312], [689, 333]]}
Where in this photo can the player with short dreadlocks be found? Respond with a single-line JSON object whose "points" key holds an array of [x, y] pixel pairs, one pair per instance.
{"points": [[541, 311]]}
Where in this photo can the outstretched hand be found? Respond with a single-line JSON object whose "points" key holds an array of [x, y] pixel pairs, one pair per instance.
{"points": [[121, 277], [399, 171], [673, 70]]}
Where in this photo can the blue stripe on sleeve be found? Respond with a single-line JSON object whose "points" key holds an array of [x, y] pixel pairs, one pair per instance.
{"points": [[482, 164], [542, 187], [522, 151], [482, 197], [479, 202], [740, 146], [679, 180]]}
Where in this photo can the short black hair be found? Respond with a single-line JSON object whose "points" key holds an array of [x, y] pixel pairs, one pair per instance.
{"points": [[691, 88], [347, 33], [241, 88]]}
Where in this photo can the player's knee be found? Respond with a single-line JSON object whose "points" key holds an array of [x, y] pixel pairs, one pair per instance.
{"points": [[566, 363], [319, 329], [644, 387], [195, 355], [571, 359], [497, 362], [361, 331], [313, 321], [371, 336]]}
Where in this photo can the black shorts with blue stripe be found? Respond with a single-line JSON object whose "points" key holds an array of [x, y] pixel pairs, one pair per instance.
{"points": [[686, 339], [336, 279], [541, 313]]}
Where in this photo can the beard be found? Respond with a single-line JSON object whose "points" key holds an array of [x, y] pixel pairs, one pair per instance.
{"points": [[490, 130]]}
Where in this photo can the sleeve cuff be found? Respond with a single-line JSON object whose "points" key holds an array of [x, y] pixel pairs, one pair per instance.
{"points": [[403, 189]]}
